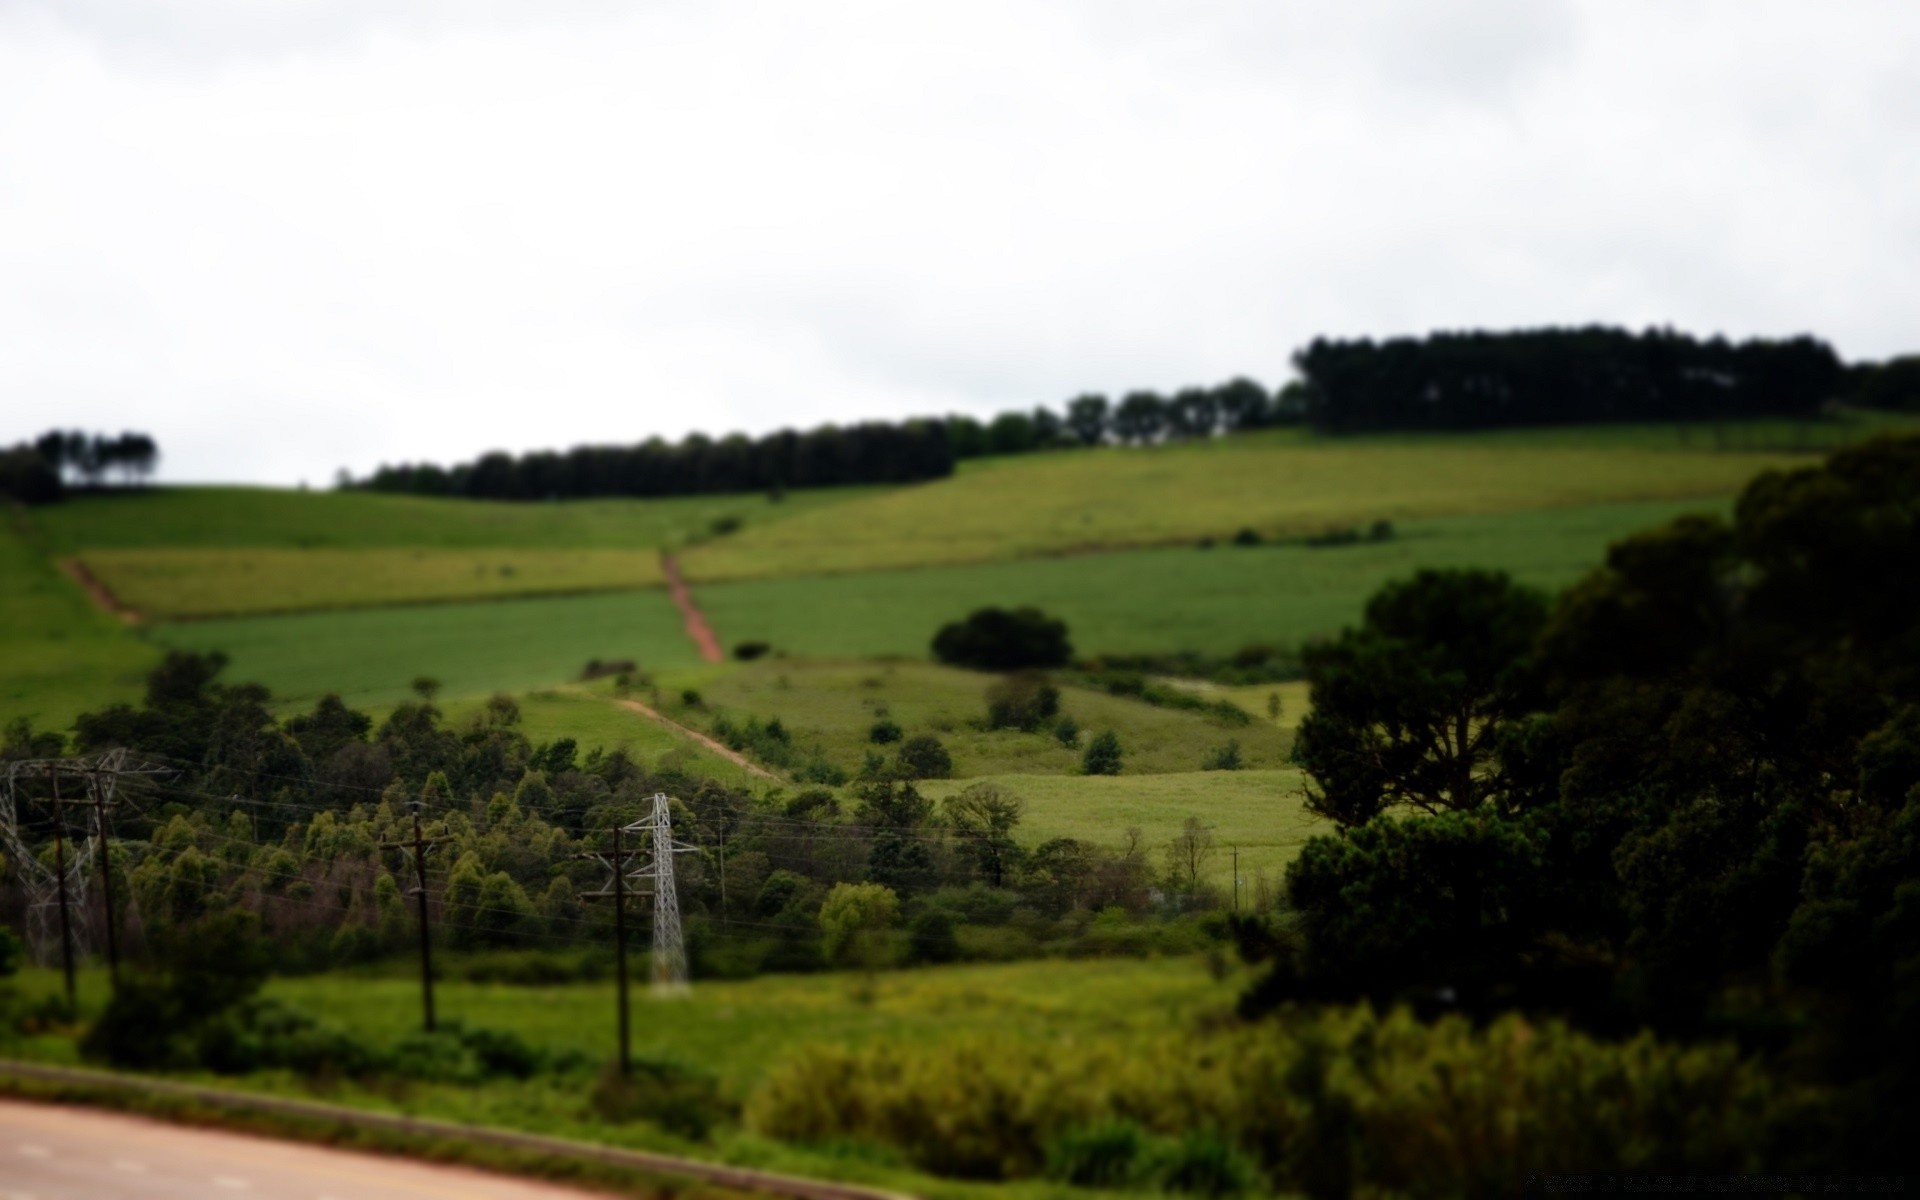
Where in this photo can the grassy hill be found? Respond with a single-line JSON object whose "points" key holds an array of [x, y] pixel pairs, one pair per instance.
{"points": [[1214, 600], [1276, 485], [59, 655]]}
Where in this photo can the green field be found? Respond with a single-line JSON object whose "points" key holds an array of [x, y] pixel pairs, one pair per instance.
{"points": [[830, 707], [1277, 485], [737, 1031], [262, 580], [594, 722], [215, 517], [1262, 812], [371, 656], [1215, 600], [59, 655]]}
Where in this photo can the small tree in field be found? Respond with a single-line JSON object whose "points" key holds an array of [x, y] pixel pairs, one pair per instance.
{"points": [[853, 919], [1102, 756], [1188, 855]]}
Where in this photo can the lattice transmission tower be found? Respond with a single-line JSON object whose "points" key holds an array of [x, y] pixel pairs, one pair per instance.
{"points": [[656, 867]]}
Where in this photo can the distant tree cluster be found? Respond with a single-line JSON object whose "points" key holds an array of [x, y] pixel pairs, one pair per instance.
{"points": [[40, 471], [831, 456], [876, 452], [1480, 380], [1893, 385]]}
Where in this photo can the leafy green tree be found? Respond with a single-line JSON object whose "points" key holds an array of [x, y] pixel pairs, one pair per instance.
{"points": [[853, 917], [1409, 708], [1087, 419], [984, 817], [1140, 418], [997, 639], [1102, 755], [923, 757]]}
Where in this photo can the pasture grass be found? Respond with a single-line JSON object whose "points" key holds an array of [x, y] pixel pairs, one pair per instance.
{"points": [[1213, 600], [59, 655], [371, 656], [244, 581], [1278, 486], [736, 1031], [223, 517], [830, 709], [594, 722], [1262, 812]]}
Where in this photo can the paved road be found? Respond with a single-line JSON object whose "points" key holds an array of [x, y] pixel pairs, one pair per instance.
{"points": [[53, 1153]]}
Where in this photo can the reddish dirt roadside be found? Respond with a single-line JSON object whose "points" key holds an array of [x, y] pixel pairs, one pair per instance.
{"points": [[722, 749], [101, 595], [696, 621]]}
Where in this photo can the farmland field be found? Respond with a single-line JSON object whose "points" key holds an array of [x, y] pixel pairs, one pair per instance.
{"points": [[1274, 485], [830, 708], [1215, 600], [59, 655], [254, 517], [202, 582], [1263, 812], [370, 656]]}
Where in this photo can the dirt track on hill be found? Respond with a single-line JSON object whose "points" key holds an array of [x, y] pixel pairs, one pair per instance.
{"points": [[101, 595], [696, 621], [722, 749]]}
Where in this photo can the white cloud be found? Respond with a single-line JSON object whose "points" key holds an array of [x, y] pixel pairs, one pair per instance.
{"points": [[293, 237]]}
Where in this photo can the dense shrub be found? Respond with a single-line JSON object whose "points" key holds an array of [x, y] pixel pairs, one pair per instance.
{"points": [[1023, 701], [884, 732], [996, 639], [1102, 756], [748, 651], [1379, 1103], [671, 1095], [924, 757]]}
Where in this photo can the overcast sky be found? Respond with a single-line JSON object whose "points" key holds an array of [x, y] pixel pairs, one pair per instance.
{"points": [[295, 236]]}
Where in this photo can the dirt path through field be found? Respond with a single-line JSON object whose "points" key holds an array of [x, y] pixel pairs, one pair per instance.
{"points": [[100, 593], [722, 749], [697, 627]]}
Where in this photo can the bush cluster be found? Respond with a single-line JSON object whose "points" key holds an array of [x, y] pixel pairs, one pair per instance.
{"points": [[1327, 1103]]}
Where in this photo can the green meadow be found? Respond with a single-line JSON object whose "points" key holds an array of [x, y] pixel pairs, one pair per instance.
{"points": [[1261, 814], [371, 656], [595, 722], [220, 517], [830, 709], [196, 582], [1214, 600], [59, 655], [740, 1032], [1276, 485]]}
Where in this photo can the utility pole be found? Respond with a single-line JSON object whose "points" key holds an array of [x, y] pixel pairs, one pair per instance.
{"points": [[102, 800], [419, 846], [60, 875], [669, 950], [616, 890]]}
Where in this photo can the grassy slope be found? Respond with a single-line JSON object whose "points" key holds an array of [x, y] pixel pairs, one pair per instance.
{"points": [[240, 516], [832, 706], [59, 656], [1276, 484], [370, 656], [1262, 812], [197, 552], [261, 580], [1148, 600], [594, 722]]}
